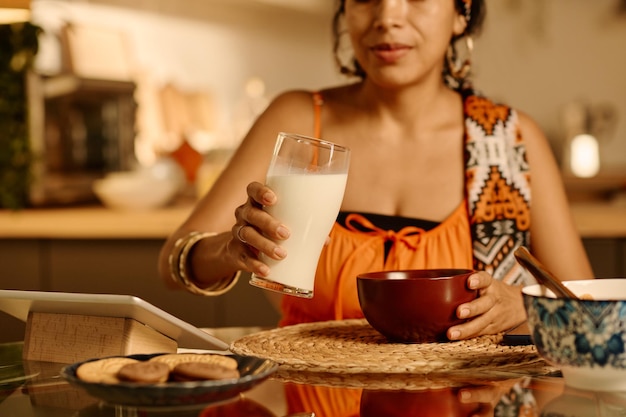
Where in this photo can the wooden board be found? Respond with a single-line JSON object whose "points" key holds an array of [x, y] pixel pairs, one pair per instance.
{"points": [[69, 338]]}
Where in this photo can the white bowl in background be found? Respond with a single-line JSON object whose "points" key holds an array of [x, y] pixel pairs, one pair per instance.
{"points": [[135, 190]]}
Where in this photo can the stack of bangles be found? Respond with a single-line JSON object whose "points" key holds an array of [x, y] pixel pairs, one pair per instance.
{"points": [[179, 270]]}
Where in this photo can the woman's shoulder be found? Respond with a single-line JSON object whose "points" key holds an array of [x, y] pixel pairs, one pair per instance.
{"points": [[290, 98], [287, 111], [305, 97], [479, 104], [297, 106], [301, 102], [488, 109]]}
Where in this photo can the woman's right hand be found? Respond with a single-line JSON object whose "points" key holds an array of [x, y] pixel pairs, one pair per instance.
{"points": [[256, 231]]}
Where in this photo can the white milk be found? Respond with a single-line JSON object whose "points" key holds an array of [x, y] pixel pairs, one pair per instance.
{"points": [[308, 205]]}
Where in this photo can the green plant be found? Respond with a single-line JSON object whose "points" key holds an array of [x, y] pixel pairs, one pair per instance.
{"points": [[18, 46]]}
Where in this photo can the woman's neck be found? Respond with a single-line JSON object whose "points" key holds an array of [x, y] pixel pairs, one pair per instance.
{"points": [[424, 105]]}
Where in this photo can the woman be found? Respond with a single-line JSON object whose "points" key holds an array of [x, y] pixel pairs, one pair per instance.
{"points": [[426, 152]]}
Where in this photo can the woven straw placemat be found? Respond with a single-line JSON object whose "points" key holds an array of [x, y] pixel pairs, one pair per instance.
{"points": [[353, 346], [405, 381]]}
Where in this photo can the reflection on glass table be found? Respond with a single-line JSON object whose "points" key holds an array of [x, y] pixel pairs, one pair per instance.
{"points": [[36, 390]]}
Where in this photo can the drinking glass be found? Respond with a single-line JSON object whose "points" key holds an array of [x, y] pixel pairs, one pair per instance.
{"points": [[309, 178]]}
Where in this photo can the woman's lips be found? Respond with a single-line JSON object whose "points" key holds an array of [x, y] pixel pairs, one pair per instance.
{"points": [[390, 53]]}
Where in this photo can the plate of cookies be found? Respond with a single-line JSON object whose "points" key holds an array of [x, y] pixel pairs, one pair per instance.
{"points": [[168, 379]]}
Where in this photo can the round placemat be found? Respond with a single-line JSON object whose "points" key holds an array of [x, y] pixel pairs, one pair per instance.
{"points": [[353, 346], [402, 381]]}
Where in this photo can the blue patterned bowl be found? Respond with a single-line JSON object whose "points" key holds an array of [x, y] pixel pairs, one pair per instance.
{"points": [[585, 338]]}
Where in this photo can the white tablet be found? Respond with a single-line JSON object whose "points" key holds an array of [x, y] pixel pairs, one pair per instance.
{"points": [[19, 303]]}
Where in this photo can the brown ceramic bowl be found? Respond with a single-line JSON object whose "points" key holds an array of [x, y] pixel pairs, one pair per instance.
{"points": [[414, 306]]}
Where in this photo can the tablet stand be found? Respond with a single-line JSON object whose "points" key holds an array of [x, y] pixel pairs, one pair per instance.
{"points": [[69, 338]]}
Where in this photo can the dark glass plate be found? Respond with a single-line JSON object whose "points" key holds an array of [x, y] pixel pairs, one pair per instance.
{"points": [[253, 370]]}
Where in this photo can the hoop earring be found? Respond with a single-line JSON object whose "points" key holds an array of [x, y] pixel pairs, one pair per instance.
{"points": [[459, 70], [343, 68], [352, 68]]}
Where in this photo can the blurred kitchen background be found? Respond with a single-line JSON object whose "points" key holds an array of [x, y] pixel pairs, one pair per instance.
{"points": [[153, 96], [120, 84]]}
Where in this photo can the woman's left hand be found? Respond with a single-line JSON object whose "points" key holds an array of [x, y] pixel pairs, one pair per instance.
{"points": [[499, 307]]}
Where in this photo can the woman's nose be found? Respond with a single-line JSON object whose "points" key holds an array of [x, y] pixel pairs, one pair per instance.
{"points": [[390, 13]]}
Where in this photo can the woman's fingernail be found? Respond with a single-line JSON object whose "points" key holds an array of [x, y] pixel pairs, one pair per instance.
{"points": [[464, 313], [282, 232], [264, 270], [280, 252], [465, 395], [455, 334], [473, 283], [268, 198]]}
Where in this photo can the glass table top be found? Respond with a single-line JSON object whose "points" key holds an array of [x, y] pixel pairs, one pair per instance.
{"points": [[30, 388]]}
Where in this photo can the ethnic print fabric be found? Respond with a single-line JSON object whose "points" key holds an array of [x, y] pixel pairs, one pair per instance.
{"points": [[498, 188]]}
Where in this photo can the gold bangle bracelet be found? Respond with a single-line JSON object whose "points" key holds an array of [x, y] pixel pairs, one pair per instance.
{"points": [[178, 267]]}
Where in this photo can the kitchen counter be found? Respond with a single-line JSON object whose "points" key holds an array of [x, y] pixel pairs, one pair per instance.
{"points": [[92, 222], [593, 220], [600, 220]]}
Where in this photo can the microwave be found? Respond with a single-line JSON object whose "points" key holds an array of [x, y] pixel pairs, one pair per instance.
{"points": [[81, 129]]}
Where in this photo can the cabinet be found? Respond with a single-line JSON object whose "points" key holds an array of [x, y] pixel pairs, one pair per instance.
{"points": [[607, 256]]}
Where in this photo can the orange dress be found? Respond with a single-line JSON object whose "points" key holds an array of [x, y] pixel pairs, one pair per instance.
{"points": [[351, 252], [473, 236]]}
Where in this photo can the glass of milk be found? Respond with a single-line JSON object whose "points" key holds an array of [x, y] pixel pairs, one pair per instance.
{"points": [[309, 178]]}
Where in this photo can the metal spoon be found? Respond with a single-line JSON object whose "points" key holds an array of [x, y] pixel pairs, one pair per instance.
{"points": [[542, 275]]}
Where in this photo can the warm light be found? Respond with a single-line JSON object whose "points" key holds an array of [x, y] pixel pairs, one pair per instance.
{"points": [[14, 11], [585, 156]]}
